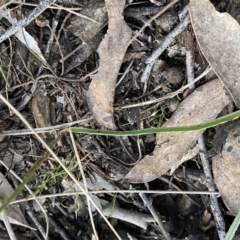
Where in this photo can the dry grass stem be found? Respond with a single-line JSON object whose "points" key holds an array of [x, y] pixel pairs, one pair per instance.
{"points": [[170, 95], [84, 182], [56, 158], [117, 191]]}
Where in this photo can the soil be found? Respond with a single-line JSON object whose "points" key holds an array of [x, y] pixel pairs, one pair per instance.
{"points": [[53, 93]]}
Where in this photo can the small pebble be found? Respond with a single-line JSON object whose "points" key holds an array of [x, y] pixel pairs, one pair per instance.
{"points": [[173, 75]]}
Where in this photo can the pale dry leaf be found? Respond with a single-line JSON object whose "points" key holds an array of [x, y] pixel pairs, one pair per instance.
{"points": [[94, 237], [218, 35], [13, 211], [133, 217], [23, 36], [40, 107], [204, 104], [31, 44], [111, 51], [96, 184], [226, 168]]}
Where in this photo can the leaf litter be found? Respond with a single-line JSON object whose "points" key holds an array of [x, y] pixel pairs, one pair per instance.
{"points": [[13, 212], [222, 51], [205, 103], [111, 52], [226, 167]]}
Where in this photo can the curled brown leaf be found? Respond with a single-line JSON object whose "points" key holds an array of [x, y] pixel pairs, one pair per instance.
{"points": [[100, 95]]}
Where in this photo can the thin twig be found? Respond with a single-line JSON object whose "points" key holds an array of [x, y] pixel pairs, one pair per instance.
{"points": [[50, 41], [59, 230], [220, 224], [170, 95], [77, 14], [117, 191], [125, 73], [41, 7], [165, 43], [190, 57], [55, 6], [177, 188], [85, 184], [35, 221], [183, 13], [152, 19], [156, 215], [63, 25], [6, 4], [136, 218], [58, 160], [201, 144], [8, 226], [72, 53]]}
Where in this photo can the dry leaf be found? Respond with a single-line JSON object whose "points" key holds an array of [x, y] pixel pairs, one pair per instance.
{"points": [[99, 183], [23, 36], [111, 52], [226, 169], [204, 104], [218, 35], [136, 218], [13, 212]]}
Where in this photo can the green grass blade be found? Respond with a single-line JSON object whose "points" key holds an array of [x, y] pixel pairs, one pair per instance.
{"points": [[189, 128], [209, 124], [231, 232]]}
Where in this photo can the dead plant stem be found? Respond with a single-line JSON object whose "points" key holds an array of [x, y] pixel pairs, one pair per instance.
{"points": [[43, 130], [156, 215], [8, 225], [165, 43], [220, 224], [85, 184], [170, 95], [201, 143], [25, 21], [117, 191], [152, 19]]}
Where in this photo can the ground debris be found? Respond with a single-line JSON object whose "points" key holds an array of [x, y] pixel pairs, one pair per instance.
{"points": [[111, 52], [171, 147]]}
